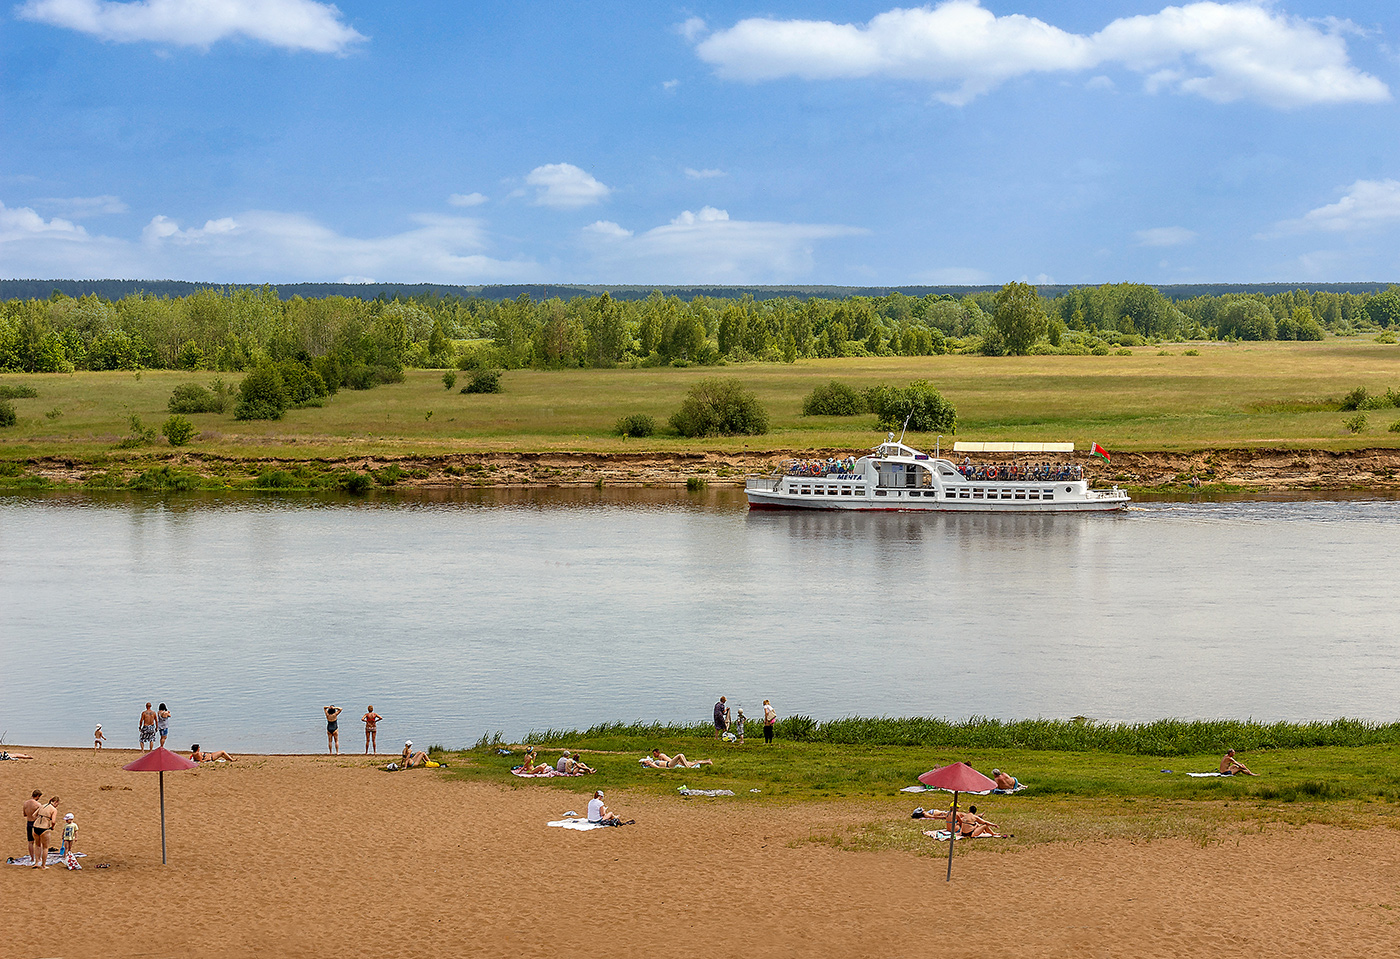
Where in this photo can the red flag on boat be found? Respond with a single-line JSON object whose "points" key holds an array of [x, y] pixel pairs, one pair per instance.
{"points": [[1100, 452]]}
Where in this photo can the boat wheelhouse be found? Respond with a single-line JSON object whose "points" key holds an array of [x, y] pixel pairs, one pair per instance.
{"points": [[898, 477]]}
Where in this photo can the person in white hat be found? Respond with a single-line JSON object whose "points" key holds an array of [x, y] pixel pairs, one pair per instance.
{"points": [[70, 835], [409, 758], [97, 739]]}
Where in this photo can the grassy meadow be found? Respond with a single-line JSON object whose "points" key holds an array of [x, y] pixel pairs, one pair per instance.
{"points": [[1231, 394]]}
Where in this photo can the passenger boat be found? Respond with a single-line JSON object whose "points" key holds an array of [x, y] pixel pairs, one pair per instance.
{"points": [[898, 477]]}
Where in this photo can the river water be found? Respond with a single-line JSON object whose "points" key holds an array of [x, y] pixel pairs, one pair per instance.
{"points": [[459, 614]]}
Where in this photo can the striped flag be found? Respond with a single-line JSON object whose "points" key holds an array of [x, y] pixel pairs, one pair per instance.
{"points": [[1100, 452]]}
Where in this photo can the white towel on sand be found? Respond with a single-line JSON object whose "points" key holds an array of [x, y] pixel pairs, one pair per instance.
{"points": [[582, 825]]}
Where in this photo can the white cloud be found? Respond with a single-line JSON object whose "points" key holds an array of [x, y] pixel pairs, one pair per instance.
{"points": [[670, 85], [1368, 204], [290, 24], [693, 27], [709, 247], [467, 199], [254, 246], [78, 207], [703, 174], [1100, 82], [1165, 236], [1220, 51], [565, 186]]}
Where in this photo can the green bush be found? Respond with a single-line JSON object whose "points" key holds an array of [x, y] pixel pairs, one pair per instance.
{"points": [[357, 483], [17, 391], [923, 406], [635, 424], [1354, 400], [484, 381], [275, 479], [262, 395], [834, 399], [695, 484], [1191, 353], [193, 398], [1356, 424], [302, 385], [1124, 351], [178, 430], [389, 475], [140, 434], [8, 417], [720, 406], [449, 379], [1395, 427], [164, 478]]}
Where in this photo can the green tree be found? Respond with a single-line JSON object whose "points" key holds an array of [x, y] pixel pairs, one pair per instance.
{"points": [[1019, 319], [1245, 318], [922, 406], [720, 406], [262, 395]]}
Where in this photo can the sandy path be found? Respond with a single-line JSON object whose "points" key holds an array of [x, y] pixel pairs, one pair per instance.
{"points": [[310, 856]]}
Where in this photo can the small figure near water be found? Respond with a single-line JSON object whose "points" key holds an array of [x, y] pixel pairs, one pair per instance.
{"points": [[97, 739], [410, 758], [770, 719], [1005, 781], [371, 720], [208, 755], [163, 723], [333, 728], [1230, 766], [721, 717], [148, 729]]}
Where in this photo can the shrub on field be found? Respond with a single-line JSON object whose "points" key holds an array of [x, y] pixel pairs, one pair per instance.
{"points": [[193, 398], [1395, 427], [636, 424], [303, 385], [1356, 424], [17, 391], [484, 381], [275, 479], [720, 406], [834, 399], [262, 395], [357, 483], [8, 417], [1354, 399], [140, 435], [178, 430], [449, 379], [923, 406]]}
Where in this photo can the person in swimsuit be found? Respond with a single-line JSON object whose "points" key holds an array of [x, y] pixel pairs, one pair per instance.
{"points": [[972, 826], [148, 729], [660, 760], [97, 738], [31, 807], [371, 720], [531, 767], [1230, 766], [208, 755], [1003, 781], [45, 817], [333, 728], [409, 758], [163, 723]]}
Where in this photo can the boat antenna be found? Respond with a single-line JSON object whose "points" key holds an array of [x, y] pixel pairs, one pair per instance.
{"points": [[905, 426]]}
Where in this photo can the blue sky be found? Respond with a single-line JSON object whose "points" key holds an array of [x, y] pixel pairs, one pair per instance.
{"points": [[641, 143]]}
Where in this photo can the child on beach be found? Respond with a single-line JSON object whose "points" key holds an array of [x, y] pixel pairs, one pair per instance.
{"points": [[70, 835], [739, 727], [97, 738]]}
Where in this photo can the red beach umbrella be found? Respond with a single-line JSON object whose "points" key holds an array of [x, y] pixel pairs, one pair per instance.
{"points": [[957, 778], [160, 760]]}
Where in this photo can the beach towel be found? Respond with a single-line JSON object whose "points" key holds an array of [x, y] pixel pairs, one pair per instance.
{"points": [[582, 825], [921, 788], [1208, 775], [1008, 792], [54, 859], [705, 792], [542, 774], [942, 835]]}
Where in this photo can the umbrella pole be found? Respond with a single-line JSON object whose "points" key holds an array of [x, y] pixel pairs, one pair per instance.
{"points": [[952, 834], [162, 822]]}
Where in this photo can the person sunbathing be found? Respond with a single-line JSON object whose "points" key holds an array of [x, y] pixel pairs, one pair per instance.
{"points": [[410, 757], [208, 755], [660, 760], [973, 826], [531, 768], [1003, 781], [572, 765], [1230, 766], [4, 755]]}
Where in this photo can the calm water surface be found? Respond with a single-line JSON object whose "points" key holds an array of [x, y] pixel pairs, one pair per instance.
{"points": [[493, 611]]}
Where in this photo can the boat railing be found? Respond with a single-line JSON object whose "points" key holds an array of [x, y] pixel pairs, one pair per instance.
{"points": [[763, 484]]}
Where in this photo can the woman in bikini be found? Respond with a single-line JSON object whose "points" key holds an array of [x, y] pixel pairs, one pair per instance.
{"points": [[660, 760], [530, 767], [45, 817], [208, 755], [371, 720]]}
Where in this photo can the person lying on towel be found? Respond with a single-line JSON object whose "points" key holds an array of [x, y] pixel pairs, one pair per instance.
{"points": [[659, 760], [1003, 781]]}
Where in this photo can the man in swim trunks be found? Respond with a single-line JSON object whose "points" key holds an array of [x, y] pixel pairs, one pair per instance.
{"points": [[1230, 766], [371, 720], [31, 808], [332, 728], [148, 729], [1003, 781]]}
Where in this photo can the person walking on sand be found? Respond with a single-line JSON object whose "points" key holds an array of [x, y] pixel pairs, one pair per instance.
{"points": [[371, 720], [163, 723], [333, 728], [97, 739], [1230, 766], [721, 717], [770, 718], [31, 807], [148, 729]]}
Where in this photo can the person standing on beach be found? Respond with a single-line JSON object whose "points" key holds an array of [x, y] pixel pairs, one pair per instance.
{"points": [[97, 739], [148, 729], [371, 720], [721, 717], [45, 817], [333, 728], [31, 807], [770, 718], [163, 723]]}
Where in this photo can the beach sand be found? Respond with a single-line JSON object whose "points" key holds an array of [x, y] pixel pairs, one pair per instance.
{"points": [[329, 857]]}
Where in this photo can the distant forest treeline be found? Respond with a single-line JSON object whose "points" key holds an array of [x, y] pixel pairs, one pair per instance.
{"points": [[237, 328]]}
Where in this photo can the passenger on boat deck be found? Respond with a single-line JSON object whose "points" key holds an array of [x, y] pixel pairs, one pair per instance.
{"points": [[659, 760], [1004, 781], [1231, 766]]}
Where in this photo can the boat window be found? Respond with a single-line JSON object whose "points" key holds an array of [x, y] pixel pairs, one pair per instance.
{"points": [[879, 492], [807, 489], [1020, 494], [845, 491], [951, 494]]}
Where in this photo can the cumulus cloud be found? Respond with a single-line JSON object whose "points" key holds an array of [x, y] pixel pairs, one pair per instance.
{"points": [[565, 186], [703, 174], [693, 27], [1165, 236], [467, 199], [1367, 204], [252, 247], [1220, 51], [290, 24], [79, 207], [709, 247]]}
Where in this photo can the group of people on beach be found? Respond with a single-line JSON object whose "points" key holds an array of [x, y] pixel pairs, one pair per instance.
{"points": [[156, 722], [371, 719], [40, 820], [724, 720]]}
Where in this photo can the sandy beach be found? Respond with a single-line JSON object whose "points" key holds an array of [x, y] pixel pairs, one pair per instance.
{"points": [[328, 856]]}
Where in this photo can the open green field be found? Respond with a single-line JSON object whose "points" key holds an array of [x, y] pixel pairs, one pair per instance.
{"points": [[1073, 795], [1231, 395]]}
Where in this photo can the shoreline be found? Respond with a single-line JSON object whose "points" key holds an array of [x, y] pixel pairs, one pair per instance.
{"points": [[1243, 469]]}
